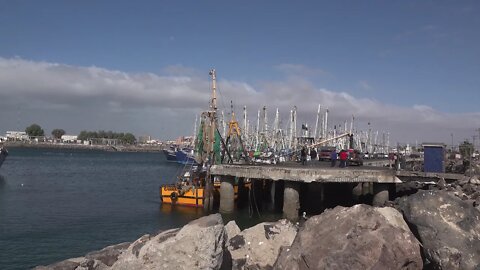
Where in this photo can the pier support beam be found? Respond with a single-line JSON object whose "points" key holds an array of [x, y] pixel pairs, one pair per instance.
{"points": [[272, 195], [208, 195], [227, 195], [380, 194], [291, 200]]}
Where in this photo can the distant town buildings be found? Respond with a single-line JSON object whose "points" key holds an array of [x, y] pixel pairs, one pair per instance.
{"points": [[16, 136], [69, 138], [22, 136], [185, 140]]}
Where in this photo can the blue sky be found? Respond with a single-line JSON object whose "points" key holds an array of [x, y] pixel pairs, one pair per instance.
{"points": [[397, 54]]}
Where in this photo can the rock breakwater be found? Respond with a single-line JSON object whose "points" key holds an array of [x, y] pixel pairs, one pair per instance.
{"points": [[437, 228]]}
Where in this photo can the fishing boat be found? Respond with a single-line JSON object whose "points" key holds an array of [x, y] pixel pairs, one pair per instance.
{"points": [[195, 186], [185, 156], [188, 190], [3, 155], [170, 154]]}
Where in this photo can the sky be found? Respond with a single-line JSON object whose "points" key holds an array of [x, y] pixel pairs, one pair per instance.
{"points": [[410, 68]]}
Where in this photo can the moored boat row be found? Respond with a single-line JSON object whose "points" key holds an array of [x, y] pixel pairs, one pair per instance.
{"points": [[180, 155]]}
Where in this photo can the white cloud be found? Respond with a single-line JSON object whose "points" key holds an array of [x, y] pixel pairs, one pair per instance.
{"points": [[301, 70], [365, 85], [76, 98]]}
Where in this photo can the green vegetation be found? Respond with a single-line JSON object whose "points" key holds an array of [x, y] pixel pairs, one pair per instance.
{"points": [[58, 133], [34, 130], [125, 138], [466, 149]]}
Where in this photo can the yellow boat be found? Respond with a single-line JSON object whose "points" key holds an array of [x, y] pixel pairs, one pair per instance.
{"points": [[187, 194]]}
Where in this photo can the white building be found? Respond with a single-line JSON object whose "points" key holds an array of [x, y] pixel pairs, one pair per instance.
{"points": [[69, 138], [16, 136]]}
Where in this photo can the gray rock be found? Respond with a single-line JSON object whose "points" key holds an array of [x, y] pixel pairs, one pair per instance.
{"points": [[231, 230], [448, 228], [198, 245], [475, 195], [359, 237], [96, 260], [469, 189], [258, 247], [474, 180], [109, 255], [441, 183], [63, 265]]}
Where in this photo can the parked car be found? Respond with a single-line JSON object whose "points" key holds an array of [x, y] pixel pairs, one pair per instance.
{"points": [[355, 158], [325, 153]]}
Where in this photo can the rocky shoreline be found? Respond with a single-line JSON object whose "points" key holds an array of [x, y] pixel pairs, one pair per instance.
{"points": [[437, 228]]}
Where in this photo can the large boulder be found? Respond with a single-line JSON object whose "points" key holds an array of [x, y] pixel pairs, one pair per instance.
{"points": [[359, 237], [198, 245], [448, 228], [258, 247], [70, 264], [98, 260]]}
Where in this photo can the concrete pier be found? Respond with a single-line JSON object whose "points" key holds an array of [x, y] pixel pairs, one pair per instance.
{"points": [[227, 195], [308, 174], [361, 183], [291, 200]]}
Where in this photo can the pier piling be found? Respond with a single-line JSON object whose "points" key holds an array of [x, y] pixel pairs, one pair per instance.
{"points": [[227, 195], [291, 200], [380, 194]]}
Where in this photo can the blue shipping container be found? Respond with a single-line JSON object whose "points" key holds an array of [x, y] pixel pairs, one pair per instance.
{"points": [[434, 156]]}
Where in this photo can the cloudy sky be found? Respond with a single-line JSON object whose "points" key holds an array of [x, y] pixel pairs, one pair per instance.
{"points": [[411, 68]]}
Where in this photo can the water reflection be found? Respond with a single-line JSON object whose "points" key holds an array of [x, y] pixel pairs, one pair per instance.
{"points": [[2, 182], [185, 211]]}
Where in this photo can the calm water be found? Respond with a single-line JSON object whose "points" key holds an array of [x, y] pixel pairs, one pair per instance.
{"points": [[58, 204]]}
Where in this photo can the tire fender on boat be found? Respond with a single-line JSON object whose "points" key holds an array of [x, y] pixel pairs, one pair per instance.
{"points": [[174, 196]]}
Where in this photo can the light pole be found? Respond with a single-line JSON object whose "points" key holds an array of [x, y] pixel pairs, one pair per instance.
{"points": [[451, 134], [478, 129], [474, 137]]}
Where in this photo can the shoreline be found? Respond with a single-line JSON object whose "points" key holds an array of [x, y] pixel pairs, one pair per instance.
{"points": [[67, 146]]}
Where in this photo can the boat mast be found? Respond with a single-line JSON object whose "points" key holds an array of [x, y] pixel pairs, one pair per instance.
{"points": [[213, 105], [212, 115], [276, 127], [194, 139], [293, 127], [245, 124], [316, 123], [326, 124], [258, 131], [224, 126]]}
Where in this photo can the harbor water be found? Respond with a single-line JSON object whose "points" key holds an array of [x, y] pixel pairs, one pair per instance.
{"points": [[59, 204]]}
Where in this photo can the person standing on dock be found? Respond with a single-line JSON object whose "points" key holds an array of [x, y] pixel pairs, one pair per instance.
{"points": [[313, 155], [303, 155], [333, 157], [343, 158]]}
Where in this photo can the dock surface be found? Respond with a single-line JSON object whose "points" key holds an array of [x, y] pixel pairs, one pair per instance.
{"points": [[312, 172]]}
